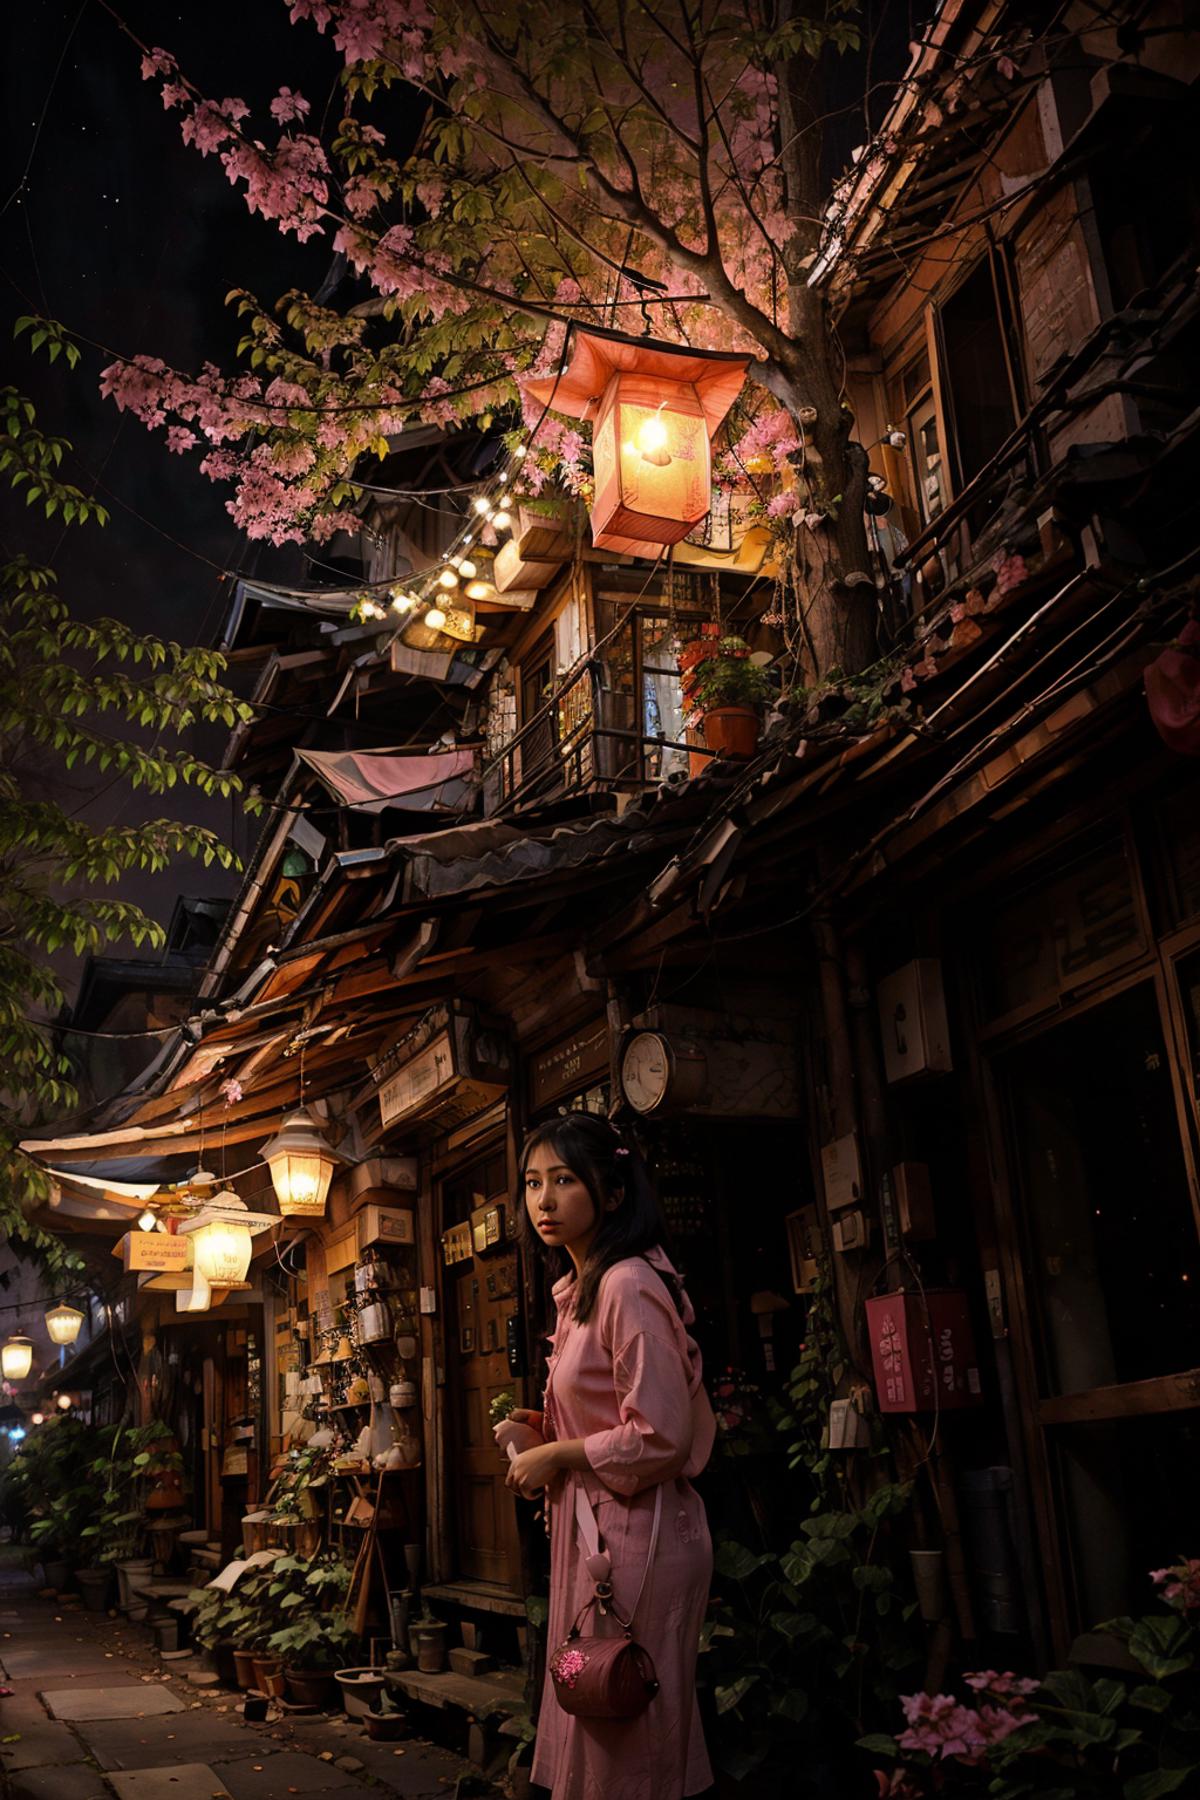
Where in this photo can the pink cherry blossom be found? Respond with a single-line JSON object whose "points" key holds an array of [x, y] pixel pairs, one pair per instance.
{"points": [[288, 105]]}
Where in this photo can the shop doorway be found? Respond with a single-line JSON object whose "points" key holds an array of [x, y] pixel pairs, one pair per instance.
{"points": [[481, 1296], [1110, 1266]]}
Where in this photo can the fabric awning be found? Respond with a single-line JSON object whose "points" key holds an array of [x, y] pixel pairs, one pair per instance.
{"points": [[370, 780]]}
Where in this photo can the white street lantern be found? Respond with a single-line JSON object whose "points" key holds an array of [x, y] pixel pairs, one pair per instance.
{"points": [[65, 1403], [301, 1165], [64, 1323], [16, 1358], [223, 1246]]}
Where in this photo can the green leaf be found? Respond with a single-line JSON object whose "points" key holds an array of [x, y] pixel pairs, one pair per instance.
{"points": [[731, 1694], [736, 1562], [1158, 1782], [876, 1744], [1150, 1698]]}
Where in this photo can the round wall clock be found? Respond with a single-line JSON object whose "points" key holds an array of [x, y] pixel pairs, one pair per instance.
{"points": [[655, 1073]]}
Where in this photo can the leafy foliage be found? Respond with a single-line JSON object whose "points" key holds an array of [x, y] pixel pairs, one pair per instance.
{"points": [[76, 694], [1132, 1736], [812, 1630]]}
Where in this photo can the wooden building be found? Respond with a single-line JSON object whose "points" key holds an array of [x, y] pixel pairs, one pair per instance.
{"points": [[916, 988]]}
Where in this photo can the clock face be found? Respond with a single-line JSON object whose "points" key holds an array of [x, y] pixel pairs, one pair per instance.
{"points": [[646, 1070]]}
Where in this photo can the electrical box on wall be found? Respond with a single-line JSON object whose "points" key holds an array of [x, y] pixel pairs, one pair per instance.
{"points": [[912, 1021], [384, 1225], [923, 1351]]}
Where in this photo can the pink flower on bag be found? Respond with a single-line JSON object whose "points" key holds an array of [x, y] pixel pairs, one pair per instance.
{"points": [[567, 1665]]}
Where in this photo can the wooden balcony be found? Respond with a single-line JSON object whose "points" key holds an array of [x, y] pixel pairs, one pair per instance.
{"points": [[585, 738]]}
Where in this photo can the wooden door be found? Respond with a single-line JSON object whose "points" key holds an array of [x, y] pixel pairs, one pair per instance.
{"points": [[1109, 1268], [481, 1295]]}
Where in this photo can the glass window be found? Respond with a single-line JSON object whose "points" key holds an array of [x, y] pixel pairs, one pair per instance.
{"points": [[1113, 1262]]}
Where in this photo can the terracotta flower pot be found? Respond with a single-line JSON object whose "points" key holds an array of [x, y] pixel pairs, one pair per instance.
{"points": [[223, 1663], [243, 1662], [732, 731], [55, 1573], [312, 1687], [269, 1677], [384, 1726]]}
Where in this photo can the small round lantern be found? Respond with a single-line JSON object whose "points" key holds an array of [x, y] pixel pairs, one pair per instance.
{"points": [[16, 1358], [64, 1323], [301, 1164], [654, 409], [222, 1247], [65, 1402]]}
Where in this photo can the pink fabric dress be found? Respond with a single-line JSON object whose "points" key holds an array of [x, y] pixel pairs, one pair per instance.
{"points": [[629, 1383]]}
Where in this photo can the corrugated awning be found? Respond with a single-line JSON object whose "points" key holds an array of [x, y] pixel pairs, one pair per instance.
{"points": [[370, 780]]}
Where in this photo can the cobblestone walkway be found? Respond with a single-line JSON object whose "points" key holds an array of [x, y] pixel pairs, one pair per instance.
{"points": [[96, 1713]]}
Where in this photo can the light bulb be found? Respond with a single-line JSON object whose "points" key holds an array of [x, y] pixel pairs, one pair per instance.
{"points": [[448, 579], [483, 505], [652, 440], [435, 618], [147, 1220], [466, 567], [38, 1418], [64, 1403], [501, 520], [478, 590]]}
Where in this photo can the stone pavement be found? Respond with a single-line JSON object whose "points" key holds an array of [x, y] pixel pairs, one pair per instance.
{"points": [[96, 1714]]}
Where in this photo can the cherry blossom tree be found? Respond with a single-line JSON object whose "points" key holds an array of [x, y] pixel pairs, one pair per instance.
{"points": [[595, 161]]}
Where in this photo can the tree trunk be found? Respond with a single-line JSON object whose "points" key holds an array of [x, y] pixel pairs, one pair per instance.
{"points": [[834, 587]]}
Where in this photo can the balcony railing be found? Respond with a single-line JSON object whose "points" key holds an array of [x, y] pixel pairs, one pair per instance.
{"points": [[584, 737]]}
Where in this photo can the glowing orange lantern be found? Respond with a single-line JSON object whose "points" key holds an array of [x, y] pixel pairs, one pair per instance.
{"points": [[654, 409]]}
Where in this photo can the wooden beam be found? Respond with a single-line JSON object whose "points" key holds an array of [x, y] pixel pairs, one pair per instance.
{"points": [[1126, 1400]]}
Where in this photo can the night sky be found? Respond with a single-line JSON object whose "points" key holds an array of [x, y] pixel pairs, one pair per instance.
{"points": [[130, 238], [114, 226]]}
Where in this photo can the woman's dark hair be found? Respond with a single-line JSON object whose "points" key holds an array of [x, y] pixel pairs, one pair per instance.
{"points": [[609, 1165]]}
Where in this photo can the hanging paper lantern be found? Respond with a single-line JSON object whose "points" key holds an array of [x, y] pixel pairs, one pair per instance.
{"points": [[655, 409], [64, 1322], [222, 1246], [65, 1402], [301, 1165], [16, 1358]]}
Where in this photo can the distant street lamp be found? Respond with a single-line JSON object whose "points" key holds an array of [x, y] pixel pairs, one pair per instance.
{"points": [[64, 1322], [16, 1358]]}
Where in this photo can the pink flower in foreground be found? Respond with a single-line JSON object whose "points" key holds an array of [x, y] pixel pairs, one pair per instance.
{"points": [[231, 1091], [1180, 1584], [179, 439], [1006, 1686]]}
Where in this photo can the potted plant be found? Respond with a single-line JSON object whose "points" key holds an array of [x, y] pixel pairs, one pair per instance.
{"points": [[302, 1631], [45, 1494], [312, 1651], [725, 695]]}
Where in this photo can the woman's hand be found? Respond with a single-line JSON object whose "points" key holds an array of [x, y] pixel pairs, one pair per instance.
{"points": [[520, 1436], [534, 1469]]}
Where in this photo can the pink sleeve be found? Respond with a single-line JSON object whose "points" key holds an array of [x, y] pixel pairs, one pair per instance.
{"points": [[653, 1440]]}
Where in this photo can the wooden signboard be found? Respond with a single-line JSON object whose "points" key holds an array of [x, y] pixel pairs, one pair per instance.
{"points": [[418, 1081], [159, 1251], [570, 1064]]}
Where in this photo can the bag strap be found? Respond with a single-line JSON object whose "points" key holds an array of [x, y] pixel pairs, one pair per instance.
{"points": [[585, 1518]]}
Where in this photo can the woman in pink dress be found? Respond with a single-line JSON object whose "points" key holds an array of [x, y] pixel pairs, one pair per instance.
{"points": [[625, 1415]]}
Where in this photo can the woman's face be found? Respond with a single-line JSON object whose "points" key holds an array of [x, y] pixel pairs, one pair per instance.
{"points": [[561, 1210]]}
